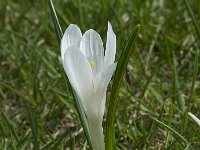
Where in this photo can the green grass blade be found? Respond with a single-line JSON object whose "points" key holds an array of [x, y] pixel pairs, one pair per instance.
{"points": [[65, 137], [24, 139], [187, 147], [72, 142], [149, 80], [178, 95], [9, 125], [18, 93], [79, 107], [33, 122], [192, 15], [169, 128], [120, 70], [60, 139], [196, 66], [194, 118], [56, 23]]}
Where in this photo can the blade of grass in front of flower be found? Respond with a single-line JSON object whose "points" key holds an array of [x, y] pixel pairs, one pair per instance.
{"points": [[178, 96], [79, 107], [33, 122], [192, 15], [120, 70], [169, 128], [194, 118]]}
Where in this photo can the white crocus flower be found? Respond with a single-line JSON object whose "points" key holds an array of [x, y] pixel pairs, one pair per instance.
{"points": [[89, 73]]}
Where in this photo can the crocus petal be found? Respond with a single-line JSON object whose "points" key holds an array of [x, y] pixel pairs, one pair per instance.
{"points": [[105, 76], [71, 37], [79, 74], [92, 47], [110, 46], [100, 86]]}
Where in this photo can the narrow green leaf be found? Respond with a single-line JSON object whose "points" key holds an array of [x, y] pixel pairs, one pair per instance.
{"points": [[24, 139], [60, 139], [33, 122], [194, 118], [192, 15], [187, 147], [150, 79], [56, 23], [178, 95], [72, 142], [184, 123], [157, 95], [170, 115], [18, 93], [120, 70], [65, 137], [169, 128], [10, 126], [196, 66], [79, 107]]}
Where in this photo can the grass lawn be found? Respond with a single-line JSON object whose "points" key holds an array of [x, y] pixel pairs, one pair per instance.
{"points": [[160, 86]]}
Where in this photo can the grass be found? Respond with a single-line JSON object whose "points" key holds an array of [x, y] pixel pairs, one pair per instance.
{"points": [[160, 86]]}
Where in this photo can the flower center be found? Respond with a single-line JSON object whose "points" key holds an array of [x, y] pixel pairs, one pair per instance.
{"points": [[92, 65]]}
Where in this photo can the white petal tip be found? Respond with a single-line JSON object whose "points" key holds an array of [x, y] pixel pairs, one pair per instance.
{"points": [[109, 24]]}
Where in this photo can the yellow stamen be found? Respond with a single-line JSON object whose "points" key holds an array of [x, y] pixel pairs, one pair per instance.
{"points": [[92, 65]]}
